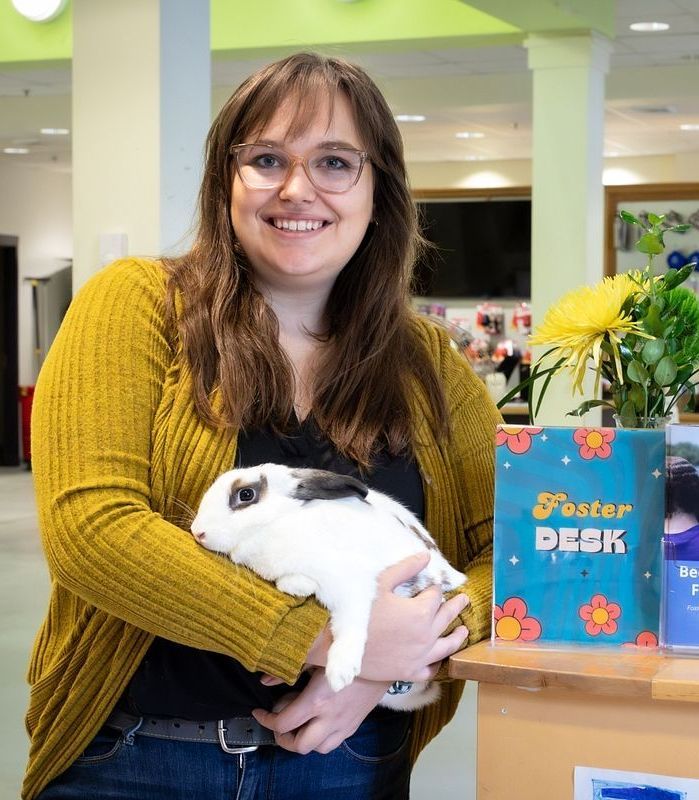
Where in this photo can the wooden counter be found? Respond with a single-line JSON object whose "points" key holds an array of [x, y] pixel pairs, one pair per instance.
{"points": [[542, 712]]}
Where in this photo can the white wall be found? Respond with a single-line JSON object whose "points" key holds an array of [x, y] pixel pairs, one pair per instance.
{"points": [[35, 206], [683, 167]]}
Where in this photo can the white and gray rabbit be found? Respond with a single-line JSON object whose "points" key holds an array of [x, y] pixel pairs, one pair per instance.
{"points": [[319, 533]]}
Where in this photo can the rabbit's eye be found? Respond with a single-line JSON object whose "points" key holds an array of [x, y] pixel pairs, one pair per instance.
{"points": [[246, 495]]}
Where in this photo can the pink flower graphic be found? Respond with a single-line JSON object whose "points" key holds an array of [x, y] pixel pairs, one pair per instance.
{"points": [[600, 615], [594, 442], [517, 438], [644, 639], [513, 624]]}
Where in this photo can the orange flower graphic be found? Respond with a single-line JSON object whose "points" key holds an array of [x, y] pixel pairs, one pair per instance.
{"points": [[644, 639], [513, 624], [600, 615], [517, 438], [594, 442]]}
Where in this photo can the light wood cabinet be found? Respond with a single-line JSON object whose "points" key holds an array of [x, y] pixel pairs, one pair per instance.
{"points": [[541, 713]]}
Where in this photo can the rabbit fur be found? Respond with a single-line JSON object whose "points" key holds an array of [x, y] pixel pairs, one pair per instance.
{"points": [[315, 532]]}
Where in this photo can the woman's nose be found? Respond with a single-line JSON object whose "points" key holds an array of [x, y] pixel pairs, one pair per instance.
{"points": [[297, 186]]}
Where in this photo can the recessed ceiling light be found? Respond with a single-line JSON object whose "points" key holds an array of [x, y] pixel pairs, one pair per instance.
{"points": [[470, 135], [39, 10], [15, 151], [689, 126], [410, 118], [649, 27], [55, 131]]}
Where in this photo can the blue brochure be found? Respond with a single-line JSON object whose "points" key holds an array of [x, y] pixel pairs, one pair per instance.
{"points": [[680, 605], [578, 520]]}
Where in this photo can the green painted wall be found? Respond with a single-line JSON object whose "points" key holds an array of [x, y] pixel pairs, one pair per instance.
{"points": [[21, 40], [237, 25], [550, 16], [299, 23], [250, 29]]}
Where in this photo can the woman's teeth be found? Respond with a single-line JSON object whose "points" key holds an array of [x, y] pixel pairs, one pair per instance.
{"points": [[298, 224]]}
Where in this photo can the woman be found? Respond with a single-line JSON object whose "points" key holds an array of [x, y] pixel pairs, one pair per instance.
{"points": [[681, 538], [284, 335]]}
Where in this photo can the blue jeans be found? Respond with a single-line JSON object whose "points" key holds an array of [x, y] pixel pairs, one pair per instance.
{"points": [[370, 765]]}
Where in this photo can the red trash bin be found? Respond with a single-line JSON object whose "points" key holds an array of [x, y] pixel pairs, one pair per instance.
{"points": [[26, 396]]}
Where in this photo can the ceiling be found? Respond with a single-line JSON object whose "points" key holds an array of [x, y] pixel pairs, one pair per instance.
{"points": [[652, 88]]}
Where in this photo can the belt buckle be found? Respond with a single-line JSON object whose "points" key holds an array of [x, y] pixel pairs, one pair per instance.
{"points": [[224, 745]]}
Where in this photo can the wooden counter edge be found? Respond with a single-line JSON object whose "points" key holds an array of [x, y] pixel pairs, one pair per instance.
{"points": [[622, 673]]}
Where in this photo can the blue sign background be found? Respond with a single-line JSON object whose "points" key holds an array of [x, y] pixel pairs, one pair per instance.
{"points": [[555, 584]]}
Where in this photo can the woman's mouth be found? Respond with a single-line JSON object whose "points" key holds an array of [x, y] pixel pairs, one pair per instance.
{"points": [[301, 225]]}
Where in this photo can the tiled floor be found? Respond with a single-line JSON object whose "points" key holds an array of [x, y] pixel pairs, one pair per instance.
{"points": [[24, 588], [447, 767]]}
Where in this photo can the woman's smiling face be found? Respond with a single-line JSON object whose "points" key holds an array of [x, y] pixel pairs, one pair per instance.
{"points": [[295, 236]]}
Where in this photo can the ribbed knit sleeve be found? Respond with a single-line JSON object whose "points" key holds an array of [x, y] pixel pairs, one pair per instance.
{"points": [[96, 409], [474, 418], [459, 485]]}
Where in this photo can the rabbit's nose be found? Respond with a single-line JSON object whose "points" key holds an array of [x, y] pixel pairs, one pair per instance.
{"points": [[199, 536]]}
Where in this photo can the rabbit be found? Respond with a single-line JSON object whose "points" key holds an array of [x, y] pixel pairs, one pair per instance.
{"points": [[319, 533]]}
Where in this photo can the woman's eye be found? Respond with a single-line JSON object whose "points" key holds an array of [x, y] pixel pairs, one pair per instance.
{"points": [[333, 163], [246, 495], [266, 162]]}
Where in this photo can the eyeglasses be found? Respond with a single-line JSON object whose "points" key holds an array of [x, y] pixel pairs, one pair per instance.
{"points": [[329, 169]]}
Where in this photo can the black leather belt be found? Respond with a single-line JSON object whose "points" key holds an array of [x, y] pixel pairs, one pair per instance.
{"points": [[235, 735]]}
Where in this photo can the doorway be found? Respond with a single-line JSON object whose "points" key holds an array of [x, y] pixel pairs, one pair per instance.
{"points": [[9, 355]]}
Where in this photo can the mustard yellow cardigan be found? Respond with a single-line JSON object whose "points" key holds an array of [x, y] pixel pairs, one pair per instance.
{"points": [[119, 454]]}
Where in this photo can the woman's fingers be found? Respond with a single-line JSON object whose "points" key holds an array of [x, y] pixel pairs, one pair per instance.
{"points": [[287, 715], [448, 612], [270, 680], [444, 647], [318, 718], [403, 571]]}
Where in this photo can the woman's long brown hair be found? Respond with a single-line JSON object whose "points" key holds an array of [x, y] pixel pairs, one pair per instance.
{"points": [[372, 353]]}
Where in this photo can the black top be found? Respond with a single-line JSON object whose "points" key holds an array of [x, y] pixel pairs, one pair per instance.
{"points": [[178, 681]]}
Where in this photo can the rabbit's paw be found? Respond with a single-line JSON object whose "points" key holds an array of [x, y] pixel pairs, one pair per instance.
{"points": [[297, 585], [341, 668]]}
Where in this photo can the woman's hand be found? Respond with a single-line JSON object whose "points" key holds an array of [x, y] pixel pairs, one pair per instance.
{"points": [[405, 639], [319, 719]]}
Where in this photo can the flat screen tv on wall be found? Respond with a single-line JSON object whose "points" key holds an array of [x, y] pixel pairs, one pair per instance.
{"points": [[482, 249]]}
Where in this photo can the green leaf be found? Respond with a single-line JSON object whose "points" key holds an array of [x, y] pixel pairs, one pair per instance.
{"points": [[653, 351], [650, 243], [534, 375], [665, 371], [672, 345], [583, 408], [628, 304], [652, 321], [638, 397], [628, 342], [684, 373], [654, 219], [675, 277], [682, 228], [637, 372], [627, 216], [628, 414]]}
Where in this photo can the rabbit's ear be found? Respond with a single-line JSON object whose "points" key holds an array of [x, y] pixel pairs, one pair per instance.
{"points": [[318, 484]]}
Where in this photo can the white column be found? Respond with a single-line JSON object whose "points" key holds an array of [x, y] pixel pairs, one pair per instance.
{"points": [[567, 190], [141, 109]]}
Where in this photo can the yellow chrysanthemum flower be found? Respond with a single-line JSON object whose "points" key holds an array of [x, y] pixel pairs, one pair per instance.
{"points": [[585, 318]]}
